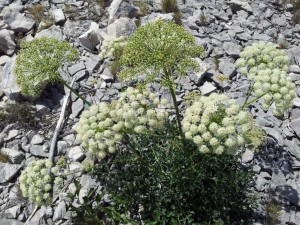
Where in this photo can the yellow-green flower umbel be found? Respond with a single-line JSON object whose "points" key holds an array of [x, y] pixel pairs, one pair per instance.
{"points": [[159, 47], [38, 61]]}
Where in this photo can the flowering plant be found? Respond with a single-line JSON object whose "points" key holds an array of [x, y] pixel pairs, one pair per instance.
{"points": [[267, 67], [36, 182], [112, 48], [38, 61], [216, 124], [102, 127]]}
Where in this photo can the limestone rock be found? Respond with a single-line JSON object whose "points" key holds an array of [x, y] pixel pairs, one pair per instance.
{"points": [[8, 171], [121, 27], [90, 39], [7, 44], [18, 22]]}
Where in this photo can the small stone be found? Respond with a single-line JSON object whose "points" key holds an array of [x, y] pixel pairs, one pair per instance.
{"points": [[8, 171], [295, 125], [207, 88], [58, 15], [256, 169], [76, 154], [90, 39], [295, 68], [3, 59], [296, 102], [37, 140], [76, 68], [60, 211], [77, 107], [37, 150], [107, 75], [61, 147], [247, 156], [14, 211], [232, 49], [14, 156], [12, 134]]}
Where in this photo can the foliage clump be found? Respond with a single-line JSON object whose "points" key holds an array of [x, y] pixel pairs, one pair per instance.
{"points": [[22, 113], [216, 124], [174, 183], [38, 61], [268, 67], [112, 48], [159, 47], [36, 182], [102, 127]]}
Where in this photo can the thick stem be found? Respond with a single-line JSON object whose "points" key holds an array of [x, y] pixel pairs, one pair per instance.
{"points": [[76, 93], [172, 91]]}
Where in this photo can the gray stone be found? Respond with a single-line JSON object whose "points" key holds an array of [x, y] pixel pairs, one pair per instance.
{"points": [[12, 134], [91, 38], [77, 107], [7, 44], [8, 171], [76, 154], [58, 15], [247, 156], [92, 64], [37, 139], [295, 68], [279, 20], [38, 150], [61, 147], [14, 156], [207, 88], [227, 68], [80, 75], [293, 147], [75, 68], [14, 211], [8, 84], [121, 27], [3, 60], [256, 169], [113, 8], [107, 76], [296, 102], [237, 5], [260, 183], [4, 221], [52, 32], [60, 211], [231, 49], [295, 125], [18, 22], [87, 182], [275, 132]]}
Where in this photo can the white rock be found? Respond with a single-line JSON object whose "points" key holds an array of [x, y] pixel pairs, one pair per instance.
{"points": [[76, 154], [113, 8], [58, 15], [7, 44], [91, 38], [121, 27], [8, 84], [18, 22], [52, 32], [37, 139], [247, 156], [4, 59], [296, 102], [14, 156], [60, 211], [207, 88], [8, 171]]}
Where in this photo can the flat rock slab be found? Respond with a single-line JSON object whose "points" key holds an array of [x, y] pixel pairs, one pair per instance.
{"points": [[8, 171]]}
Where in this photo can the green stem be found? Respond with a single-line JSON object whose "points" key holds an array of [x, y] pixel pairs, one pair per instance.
{"points": [[248, 96], [172, 91], [253, 100], [76, 93]]}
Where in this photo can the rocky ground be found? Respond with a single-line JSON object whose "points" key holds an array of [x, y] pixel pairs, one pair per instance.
{"points": [[223, 27]]}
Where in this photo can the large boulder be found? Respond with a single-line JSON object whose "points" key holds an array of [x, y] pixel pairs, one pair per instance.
{"points": [[90, 39], [8, 85], [18, 22], [121, 27], [7, 44]]}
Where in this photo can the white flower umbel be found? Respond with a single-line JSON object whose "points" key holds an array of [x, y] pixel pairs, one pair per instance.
{"points": [[222, 127], [102, 127], [36, 182], [110, 47], [268, 67]]}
